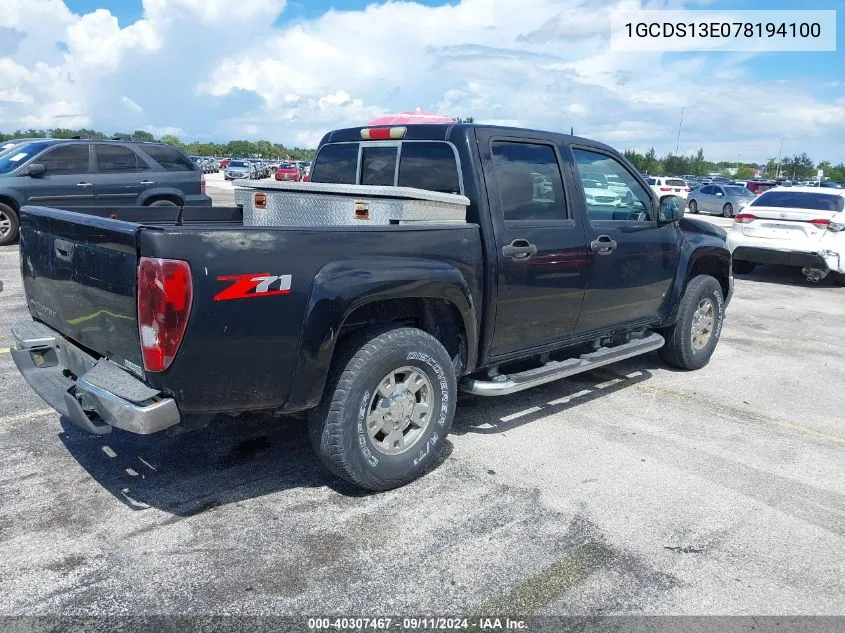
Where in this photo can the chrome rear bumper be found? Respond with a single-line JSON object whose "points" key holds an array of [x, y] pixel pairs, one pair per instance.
{"points": [[96, 395]]}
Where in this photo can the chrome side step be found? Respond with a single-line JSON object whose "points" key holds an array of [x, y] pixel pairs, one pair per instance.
{"points": [[505, 384]]}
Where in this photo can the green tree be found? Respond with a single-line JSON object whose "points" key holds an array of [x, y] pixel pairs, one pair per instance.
{"points": [[172, 140], [837, 173], [635, 158], [143, 135], [799, 167], [744, 172]]}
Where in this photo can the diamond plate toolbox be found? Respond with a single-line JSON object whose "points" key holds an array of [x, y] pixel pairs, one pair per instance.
{"points": [[324, 204]]}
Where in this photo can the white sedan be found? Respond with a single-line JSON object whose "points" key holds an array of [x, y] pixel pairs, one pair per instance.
{"points": [[794, 226], [598, 193]]}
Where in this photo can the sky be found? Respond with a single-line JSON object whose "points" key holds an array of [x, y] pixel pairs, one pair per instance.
{"points": [[291, 70]]}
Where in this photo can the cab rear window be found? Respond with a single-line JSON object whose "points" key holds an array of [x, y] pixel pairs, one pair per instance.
{"points": [[800, 200], [429, 165], [336, 163]]}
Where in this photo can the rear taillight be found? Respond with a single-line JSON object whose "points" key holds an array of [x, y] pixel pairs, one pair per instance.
{"points": [[820, 223], [666, 189], [165, 292], [687, 189], [202, 185], [744, 218]]}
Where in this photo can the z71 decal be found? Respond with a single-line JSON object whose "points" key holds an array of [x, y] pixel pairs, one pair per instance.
{"points": [[254, 285]]}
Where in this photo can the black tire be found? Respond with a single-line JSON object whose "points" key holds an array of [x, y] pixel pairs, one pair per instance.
{"points": [[337, 427], [693, 206], [728, 210], [743, 267], [9, 225], [679, 350], [162, 203]]}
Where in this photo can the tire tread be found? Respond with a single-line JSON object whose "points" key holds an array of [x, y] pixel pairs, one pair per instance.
{"points": [[326, 423]]}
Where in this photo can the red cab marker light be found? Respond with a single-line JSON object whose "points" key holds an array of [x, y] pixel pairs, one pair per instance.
{"points": [[383, 133], [165, 295]]}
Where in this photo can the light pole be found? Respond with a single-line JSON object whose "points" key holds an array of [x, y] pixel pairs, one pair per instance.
{"points": [[680, 123], [780, 152]]}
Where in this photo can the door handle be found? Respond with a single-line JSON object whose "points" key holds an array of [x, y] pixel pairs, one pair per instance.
{"points": [[519, 249], [83, 184], [603, 245], [147, 182]]}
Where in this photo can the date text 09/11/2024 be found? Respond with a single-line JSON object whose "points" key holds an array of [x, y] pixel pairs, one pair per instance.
{"points": [[416, 624]]}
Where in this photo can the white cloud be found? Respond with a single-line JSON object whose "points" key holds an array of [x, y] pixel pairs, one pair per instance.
{"points": [[202, 69], [131, 105], [165, 130]]}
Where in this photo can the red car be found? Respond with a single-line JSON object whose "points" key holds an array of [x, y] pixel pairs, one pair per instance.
{"points": [[759, 186], [288, 171], [224, 163]]}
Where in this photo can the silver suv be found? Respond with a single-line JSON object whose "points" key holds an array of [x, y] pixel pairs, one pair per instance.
{"points": [[92, 173]]}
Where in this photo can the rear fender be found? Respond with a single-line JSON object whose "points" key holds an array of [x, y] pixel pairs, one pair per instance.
{"points": [[342, 287]]}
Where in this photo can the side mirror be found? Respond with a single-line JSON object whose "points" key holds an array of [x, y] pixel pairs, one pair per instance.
{"points": [[671, 209], [36, 169]]}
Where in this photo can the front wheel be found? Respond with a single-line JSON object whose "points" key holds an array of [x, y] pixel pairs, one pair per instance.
{"points": [[728, 210], [388, 405], [693, 206], [692, 340]]}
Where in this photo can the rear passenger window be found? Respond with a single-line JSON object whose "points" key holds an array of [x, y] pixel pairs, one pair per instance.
{"points": [[430, 166], [169, 158], [378, 165], [116, 159], [336, 163], [66, 159], [611, 191], [529, 182]]}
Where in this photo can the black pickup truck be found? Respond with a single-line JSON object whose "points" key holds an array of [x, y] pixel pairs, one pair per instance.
{"points": [[156, 318]]}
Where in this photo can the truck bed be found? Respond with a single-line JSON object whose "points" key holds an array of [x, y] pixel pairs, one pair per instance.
{"points": [[239, 352]]}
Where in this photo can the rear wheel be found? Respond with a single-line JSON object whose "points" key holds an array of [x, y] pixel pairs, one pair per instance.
{"points": [[728, 210], [9, 224], [162, 203], [387, 407], [693, 206], [691, 341], [742, 267]]}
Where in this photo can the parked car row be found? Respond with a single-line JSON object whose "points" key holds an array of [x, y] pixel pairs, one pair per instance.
{"points": [[90, 173], [206, 165]]}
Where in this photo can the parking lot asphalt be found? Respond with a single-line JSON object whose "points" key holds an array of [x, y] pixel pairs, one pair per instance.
{"points": [[632, 489]]}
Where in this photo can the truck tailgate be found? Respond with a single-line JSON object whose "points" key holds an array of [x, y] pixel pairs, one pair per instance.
{"points": [[79, 273]]}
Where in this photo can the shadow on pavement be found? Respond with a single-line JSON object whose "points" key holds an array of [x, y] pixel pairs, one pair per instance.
{"points": [[229, 461], [784, 276], [233, 460], [486, 415]]}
